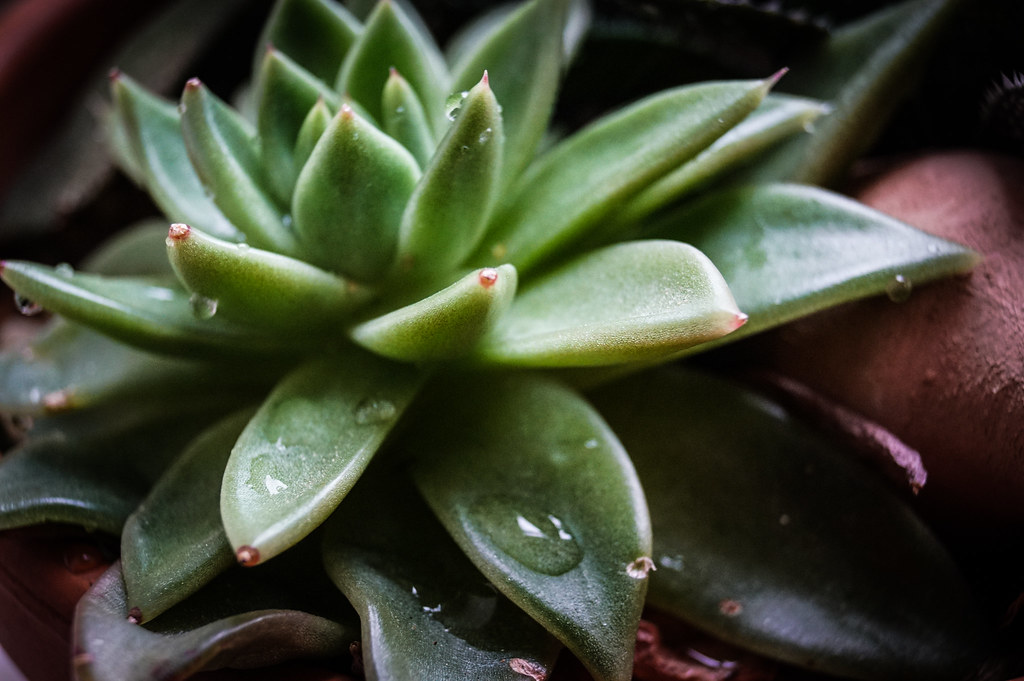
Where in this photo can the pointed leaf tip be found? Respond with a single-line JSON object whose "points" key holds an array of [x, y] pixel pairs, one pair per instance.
{"points": [[178, 232], [247, 556], [193, 84], [114, 74], [777, 76], [486, 79], [488, 277]]}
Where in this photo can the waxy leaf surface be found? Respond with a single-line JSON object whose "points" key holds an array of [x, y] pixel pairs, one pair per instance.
{"points": [[307, 446], [313, 128], [769, 537], [403, 118], [640, 300], [543, 499], [427, 613]]}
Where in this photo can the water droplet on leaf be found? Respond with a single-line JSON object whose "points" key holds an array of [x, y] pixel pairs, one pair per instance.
{"points": [[540, 541], [898, 289], [65, 270], [454, 103], [202, 307], [485, 136], [243, 248], [25, 306], [374, 410]]}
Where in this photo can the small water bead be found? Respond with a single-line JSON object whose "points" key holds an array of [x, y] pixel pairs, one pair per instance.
{"points": [[373, 410], [65, 270], [27, 307], [243, 248], [454, 103], [898, 289], [540, 541], [485, 136], [202, 307]]}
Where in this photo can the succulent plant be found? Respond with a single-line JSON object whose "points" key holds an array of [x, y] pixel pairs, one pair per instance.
{"points": [[354, 363]]}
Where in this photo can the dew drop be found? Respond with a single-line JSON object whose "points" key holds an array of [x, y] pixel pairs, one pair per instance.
{"points": [[591, 443], [540, 541], [454, 103], [399, 110], [898, 289], [243, 248], [202, 307], [65, 270], [27, 307], [671, 562], [182, 108], [373, 410], [485, 136]]}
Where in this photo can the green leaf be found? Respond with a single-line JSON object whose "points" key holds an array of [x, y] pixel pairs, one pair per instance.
{"points": [[404, 119], [863, 71], [790, 250], [427, 613], [543, 499], [285, 92], [768, 537], [522, 53], [445, 325], [306, 447], [778, 117], [93, 467], [393, 38], [640, 300], [153, 130], [225, 154], [237, 622], [315, 33], [313, 128], [140, 312], [579, 182], [271, 292], [174, 543], [350, 196], [447, 213]]}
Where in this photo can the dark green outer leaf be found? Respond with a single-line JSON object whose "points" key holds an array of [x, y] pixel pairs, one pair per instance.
{"points": [[790, 250], [111, 648], [307, 446], [174, 542], [427, 613], [768, 537], [315, 33], [540, 495]]}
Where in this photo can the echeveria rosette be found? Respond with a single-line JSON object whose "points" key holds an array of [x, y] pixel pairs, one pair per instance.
{"points": [[370, 282]]}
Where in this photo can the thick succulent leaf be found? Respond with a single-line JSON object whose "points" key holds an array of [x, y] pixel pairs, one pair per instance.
{"points": [[640, 300], [790, 250], [447, 213], [403, 117], [543, 499], [393, 37], [769, 537], [315, 33], [778, 117], [135, 251], [579, 182], [350, 196], [253, 629], [93, 467], [153, 129], [174, 543], [313, 128], [285, 92], [307, 446], [266, 290], [225, 154], [140, 312], [522, 53], [427, 613], [863, 71], [444, 325]]}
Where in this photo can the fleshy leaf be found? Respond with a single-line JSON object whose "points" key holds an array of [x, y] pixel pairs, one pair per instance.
{"points": [[543, 499], [153, 129], [268, 291], [444, 325], [522, 53], [140, 312], [313, 128], [449, 209], [790, 250], [285, 92], [174, 542], [350, 196], [427, 613], [769, 537], [778, 117], [404, 119], [225, 154], [317, 34], [640, 300], [92, 468], [579, 182], [241, 622], [307, 446], [393, 38], [862, 70]]}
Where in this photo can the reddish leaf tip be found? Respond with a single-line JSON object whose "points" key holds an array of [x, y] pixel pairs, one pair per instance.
{"points": [[777, 76], [740, 320], [486, 80], [114, 74], [392, 72], [193, 84], [347, 113], [247, 556], [488, 277], [179, 232], [135, 616], [3, 266]]}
